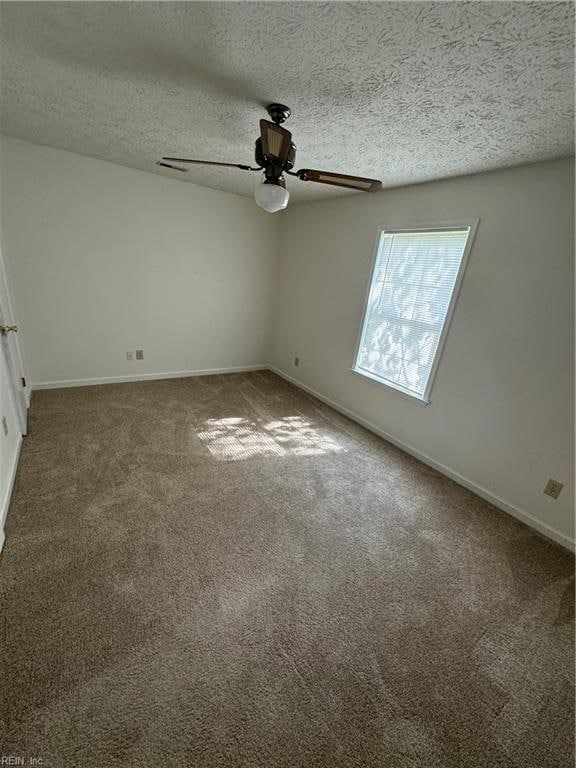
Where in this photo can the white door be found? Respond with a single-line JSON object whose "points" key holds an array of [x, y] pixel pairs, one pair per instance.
{"points": [[10, 350]]}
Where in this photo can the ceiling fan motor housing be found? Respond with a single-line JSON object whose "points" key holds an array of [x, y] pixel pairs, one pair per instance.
{"points": [[272, 170]]}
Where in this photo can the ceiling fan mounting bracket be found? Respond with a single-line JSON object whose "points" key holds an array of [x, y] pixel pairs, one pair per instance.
{"points": [[278, 112]]}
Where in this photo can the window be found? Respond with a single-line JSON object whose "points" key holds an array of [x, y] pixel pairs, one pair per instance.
{"points": [[412, 294]]}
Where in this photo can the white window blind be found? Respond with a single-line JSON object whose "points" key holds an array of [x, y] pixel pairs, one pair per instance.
{"points": [[411, 296]]}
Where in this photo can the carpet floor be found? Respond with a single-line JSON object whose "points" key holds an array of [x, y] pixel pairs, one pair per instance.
{"points": [[222, 572]]}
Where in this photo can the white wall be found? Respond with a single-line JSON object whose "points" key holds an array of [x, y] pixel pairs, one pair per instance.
{"points": [[502, 405], [105, 259]]}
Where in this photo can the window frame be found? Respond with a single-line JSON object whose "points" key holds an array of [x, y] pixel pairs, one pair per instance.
{"points": [[427, 226]]}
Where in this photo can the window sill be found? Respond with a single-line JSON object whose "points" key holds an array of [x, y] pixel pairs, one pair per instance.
{"points": [[389, 386]]}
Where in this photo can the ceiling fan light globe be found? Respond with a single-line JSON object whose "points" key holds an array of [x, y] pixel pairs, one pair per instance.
{"points": [[271, 197]]}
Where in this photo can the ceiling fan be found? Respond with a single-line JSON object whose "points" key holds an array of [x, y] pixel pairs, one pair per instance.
{"points": [[275, 155]]}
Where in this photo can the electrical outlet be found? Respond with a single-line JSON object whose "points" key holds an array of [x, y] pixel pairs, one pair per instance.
{"points": [[129, 355], [139, 354], [553, 488], [4, 425], [296, 361]]}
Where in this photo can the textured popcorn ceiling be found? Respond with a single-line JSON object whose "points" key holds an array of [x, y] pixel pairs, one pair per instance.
{"points": [[405, 92]]}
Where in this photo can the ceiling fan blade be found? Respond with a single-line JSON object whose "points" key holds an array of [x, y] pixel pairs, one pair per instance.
{"points": [[276, 142], [340, 180], [171, 167], [209, 162]]}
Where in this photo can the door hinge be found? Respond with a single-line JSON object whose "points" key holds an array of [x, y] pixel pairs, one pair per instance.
{"points": [[23, 380]]}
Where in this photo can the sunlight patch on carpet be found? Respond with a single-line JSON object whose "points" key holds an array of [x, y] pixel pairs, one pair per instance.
{"points": [[237, 438]]}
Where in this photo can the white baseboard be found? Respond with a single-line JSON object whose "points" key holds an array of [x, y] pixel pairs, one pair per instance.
{"points": [[5, 502], [485, 494], [144, 377]]}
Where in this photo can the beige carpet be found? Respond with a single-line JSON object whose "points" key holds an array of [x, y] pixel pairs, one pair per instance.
{"points": [[223, 572]]}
